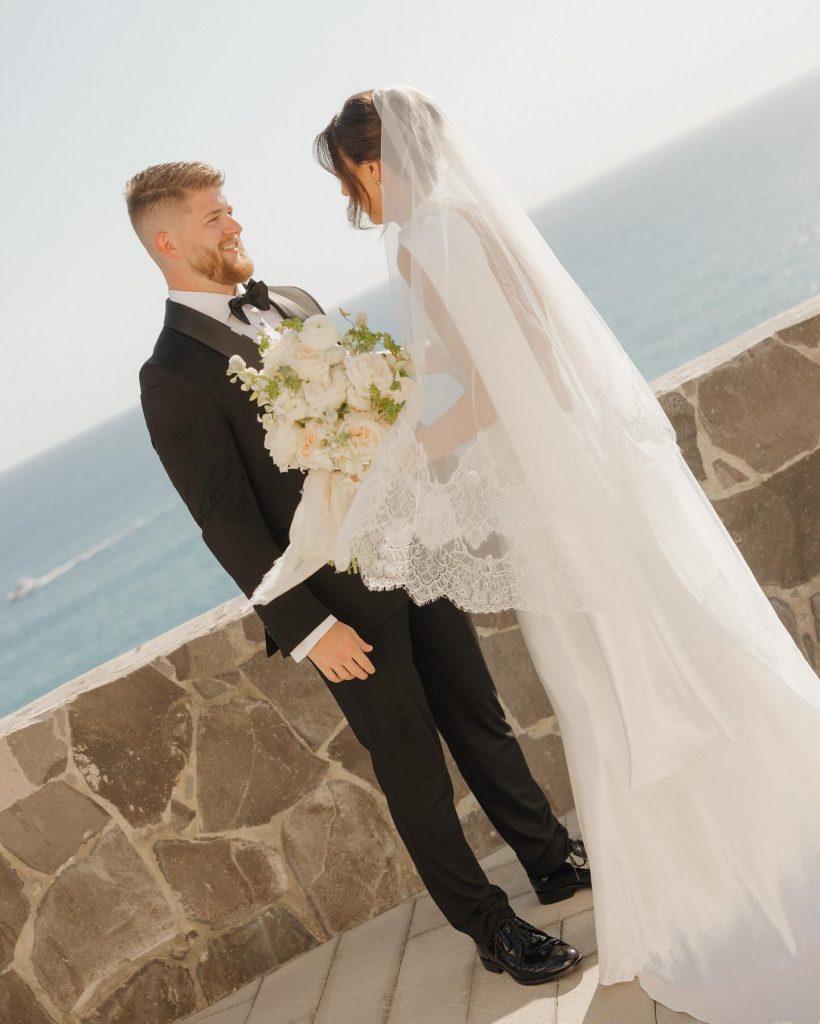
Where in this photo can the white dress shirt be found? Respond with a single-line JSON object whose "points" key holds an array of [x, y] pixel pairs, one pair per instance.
{"points": [[215, 304]]}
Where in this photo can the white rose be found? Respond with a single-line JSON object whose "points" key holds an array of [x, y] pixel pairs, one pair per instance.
{"points": [[334, 355], [275, 355], [327, 391], [365, 434], [357, 400], [308, 362], [319, 332], [311, 453], [236, 364], [290, 405], [369, 368], [282, 439]]}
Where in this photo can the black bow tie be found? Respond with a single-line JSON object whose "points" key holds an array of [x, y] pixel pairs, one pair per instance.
{"points": [[255, 294]]}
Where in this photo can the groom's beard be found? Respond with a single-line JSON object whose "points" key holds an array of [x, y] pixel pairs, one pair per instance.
{"points": [[216, 267]]}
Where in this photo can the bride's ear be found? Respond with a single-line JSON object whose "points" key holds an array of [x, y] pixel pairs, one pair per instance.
{"points": [[375, 167]]}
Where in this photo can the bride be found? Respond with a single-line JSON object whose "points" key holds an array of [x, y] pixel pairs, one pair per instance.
{"points": [[532, 468]]}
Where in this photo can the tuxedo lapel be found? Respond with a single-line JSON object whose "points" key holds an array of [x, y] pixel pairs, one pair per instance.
{"points": [[210, 332], [287, 308]]}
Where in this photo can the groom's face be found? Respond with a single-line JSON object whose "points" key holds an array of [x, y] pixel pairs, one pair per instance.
{"points": [[208, 239]]}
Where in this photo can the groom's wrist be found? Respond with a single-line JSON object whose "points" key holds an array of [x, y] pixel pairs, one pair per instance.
{"points": [[300, 652]]}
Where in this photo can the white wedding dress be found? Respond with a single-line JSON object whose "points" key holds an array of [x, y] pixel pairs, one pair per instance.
{"points": [[532, 468], [705, 881]]}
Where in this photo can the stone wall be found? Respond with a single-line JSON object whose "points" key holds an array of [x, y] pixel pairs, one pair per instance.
{"points": [[192, 814]]}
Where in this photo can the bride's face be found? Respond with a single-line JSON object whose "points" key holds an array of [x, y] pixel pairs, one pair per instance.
{"points": [[369, 176]]}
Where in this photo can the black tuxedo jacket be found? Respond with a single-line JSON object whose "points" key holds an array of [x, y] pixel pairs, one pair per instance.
{"points": [[205, 430]]}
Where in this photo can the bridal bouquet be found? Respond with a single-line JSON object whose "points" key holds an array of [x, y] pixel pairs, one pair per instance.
{"points": [[328, 401]]}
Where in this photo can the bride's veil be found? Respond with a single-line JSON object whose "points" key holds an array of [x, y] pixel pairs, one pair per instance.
{"points": [[532, 466]]}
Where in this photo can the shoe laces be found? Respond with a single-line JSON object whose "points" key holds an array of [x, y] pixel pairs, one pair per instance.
{"points": [[577, 853], [534, 936]]}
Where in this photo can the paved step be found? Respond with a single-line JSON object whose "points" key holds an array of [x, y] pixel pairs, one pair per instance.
{"points": [[408, 966]]}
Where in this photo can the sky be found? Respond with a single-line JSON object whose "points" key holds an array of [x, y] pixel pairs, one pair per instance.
{"points": [[553, 93]]}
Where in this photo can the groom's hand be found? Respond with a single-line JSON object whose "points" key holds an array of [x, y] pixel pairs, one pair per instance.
{"points": [[340, 654]]}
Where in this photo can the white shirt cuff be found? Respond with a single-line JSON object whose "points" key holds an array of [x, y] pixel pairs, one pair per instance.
{"points": [[303, 649]]}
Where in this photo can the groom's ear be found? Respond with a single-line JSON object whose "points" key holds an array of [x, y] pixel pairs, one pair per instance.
{"points": [[165, 246]]}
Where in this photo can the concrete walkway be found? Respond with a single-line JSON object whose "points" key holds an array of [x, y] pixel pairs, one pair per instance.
{"points": [[408, 966]]}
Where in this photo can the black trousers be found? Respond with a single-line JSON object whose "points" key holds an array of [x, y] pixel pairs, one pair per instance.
{"points": [[431, 678]]}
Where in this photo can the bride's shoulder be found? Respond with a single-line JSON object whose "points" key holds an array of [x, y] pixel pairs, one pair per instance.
{"points": [[435, 215]]}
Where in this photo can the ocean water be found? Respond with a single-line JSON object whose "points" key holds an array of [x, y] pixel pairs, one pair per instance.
{"points": [[680, 251]]}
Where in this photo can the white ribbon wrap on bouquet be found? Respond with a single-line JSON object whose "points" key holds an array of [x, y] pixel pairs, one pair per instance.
{"points": [[314, 534]]}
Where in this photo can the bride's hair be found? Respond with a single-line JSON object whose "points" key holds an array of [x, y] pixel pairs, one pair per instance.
{"points": [[354, 134]]}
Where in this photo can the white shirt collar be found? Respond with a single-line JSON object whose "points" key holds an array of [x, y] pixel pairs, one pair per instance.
{"points": [[214, 304]]}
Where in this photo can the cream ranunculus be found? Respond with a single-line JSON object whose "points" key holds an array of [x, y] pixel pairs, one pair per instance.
{"points": [[369, 368], [282, 441], [310, 450], [327, 391], [319, 332], [365, 434], [307, 362]]}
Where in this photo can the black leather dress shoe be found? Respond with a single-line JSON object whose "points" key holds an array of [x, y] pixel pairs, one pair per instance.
{"points": [[527, 954], [567, 879]]}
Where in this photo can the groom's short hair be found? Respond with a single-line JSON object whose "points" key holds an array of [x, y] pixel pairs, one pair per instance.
{"points": [[165, 186]]}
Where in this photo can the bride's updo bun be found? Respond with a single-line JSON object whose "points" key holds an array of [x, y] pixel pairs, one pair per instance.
{"points": [[353, 135]]}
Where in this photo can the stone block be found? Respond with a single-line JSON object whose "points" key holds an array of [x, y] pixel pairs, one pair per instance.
{"points": [[806, 333], [250, 766], [210, 689], [46, 828], [515, 677], [39, 751], [131, 739], [18, 1004], [98, 912], [14, 911], [221, 882], [158, 993], [681, 414], [491, 622], [181, 815], [298, 693], [253, 628], [775, 524], [242, 954], [347, 750], [480, 833], [207, 655], [736, 409], [727, 474], [548, 765], [344, 853]]}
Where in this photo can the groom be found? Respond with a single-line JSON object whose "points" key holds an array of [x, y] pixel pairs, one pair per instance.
{"points": [[400, 673]]}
